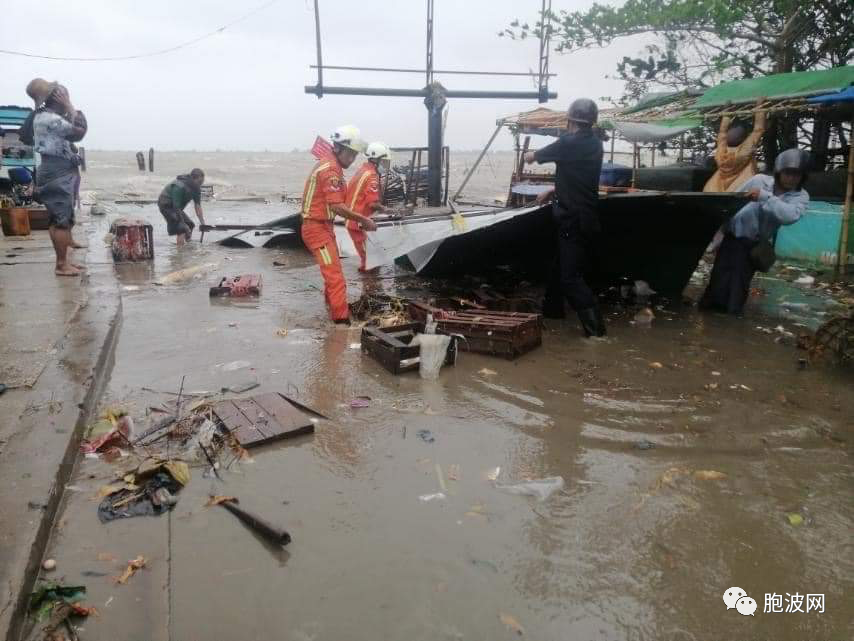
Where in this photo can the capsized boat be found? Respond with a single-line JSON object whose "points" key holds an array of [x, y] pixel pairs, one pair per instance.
{"points": [[658, 237]]}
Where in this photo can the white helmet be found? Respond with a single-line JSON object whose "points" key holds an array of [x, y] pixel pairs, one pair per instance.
{"points": [[348, 136], [378, 151]]}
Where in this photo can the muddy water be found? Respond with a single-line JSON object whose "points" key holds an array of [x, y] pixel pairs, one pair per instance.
{"points": [[636, 547]]}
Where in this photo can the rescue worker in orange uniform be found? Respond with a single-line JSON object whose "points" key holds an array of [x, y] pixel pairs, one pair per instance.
{"points": [[363, 195], [324, 198]]}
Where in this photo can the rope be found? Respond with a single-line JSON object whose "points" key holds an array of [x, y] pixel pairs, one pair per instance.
{"points": [[150, 54]]}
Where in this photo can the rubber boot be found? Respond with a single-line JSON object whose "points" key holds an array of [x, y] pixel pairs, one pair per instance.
{"points": [[592, 321]]}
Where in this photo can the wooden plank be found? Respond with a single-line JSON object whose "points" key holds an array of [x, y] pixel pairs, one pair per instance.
{"points": [[289, 418], [262, 419]]}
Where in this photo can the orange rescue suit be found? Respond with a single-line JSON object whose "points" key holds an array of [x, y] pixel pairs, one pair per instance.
{"points": [[363, 191], [324, 188]]}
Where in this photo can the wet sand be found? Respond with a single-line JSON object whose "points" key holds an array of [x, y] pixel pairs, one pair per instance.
{"points": [[638, 546]]}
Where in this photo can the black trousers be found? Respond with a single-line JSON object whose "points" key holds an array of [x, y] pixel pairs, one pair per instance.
{"points": [[566, 280], [729, 285]]}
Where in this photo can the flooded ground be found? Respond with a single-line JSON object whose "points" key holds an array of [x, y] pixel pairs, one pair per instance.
{"points": [[688, 449]]}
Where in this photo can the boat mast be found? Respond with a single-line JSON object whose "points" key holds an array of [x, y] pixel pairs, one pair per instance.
{"points": [[434, 94]]}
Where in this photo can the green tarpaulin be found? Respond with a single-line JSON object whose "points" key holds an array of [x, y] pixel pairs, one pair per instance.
{"points": [[781, 85]]}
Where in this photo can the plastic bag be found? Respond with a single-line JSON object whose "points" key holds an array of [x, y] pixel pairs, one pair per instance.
{"points": [[434, 350], [540, 488]]}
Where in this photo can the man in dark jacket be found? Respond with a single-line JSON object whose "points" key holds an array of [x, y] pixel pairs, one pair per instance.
{"points": [[578, 159], [177, 195]]}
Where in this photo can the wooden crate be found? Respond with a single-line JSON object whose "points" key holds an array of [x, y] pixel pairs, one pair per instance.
{"points": [[504, 334], [390, 347], [263, 419]]}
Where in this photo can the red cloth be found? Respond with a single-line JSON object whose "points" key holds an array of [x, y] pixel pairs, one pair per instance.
{"points": [[322, 149], [320, 239]]}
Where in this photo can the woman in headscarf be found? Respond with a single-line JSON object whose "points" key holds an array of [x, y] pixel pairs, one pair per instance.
{"points": [[735, 153]]}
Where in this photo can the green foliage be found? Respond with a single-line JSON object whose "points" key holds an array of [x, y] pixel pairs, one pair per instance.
{"points": [[703, 42]]}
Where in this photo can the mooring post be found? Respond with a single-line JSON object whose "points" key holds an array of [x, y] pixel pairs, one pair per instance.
{"points": [[151, 159]]}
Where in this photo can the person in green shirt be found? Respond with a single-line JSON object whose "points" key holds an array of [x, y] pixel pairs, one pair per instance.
{"points": [[177, 195]]}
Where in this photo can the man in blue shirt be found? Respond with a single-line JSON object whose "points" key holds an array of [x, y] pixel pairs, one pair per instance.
{"points": [[750, 235], [578, 162]]}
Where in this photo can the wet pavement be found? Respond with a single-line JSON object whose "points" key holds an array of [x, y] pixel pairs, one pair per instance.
{"points": [[640, 544]]}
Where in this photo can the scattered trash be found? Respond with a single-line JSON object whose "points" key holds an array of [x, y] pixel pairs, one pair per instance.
{"points": [[426, 436], [271, 533], [493, 473], [115, 428], [511, 623], [644, 445], [716, 373], [644, 316], [282, 332], [711, 386], [805, 280], [50, 595], [238, 286], [133, 565], [487, 372], [795, 519], [130, 288], [148, 490], [656, 365], [433, 353], [235, 365], [741, 387], [432, 497], [360, 402], [216, 500], [539, 488], [49, 565], [355, 346], [709, 475], [233, 324]]}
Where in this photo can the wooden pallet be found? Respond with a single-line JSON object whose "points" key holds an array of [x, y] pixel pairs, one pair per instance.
{"points": [[390, 347], [504, 334], [263, 419]]}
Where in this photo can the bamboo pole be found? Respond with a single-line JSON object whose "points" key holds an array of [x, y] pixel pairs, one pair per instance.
{"points": [[480, 157], [842, 253]]}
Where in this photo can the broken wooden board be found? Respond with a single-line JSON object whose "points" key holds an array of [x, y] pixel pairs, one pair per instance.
{"points": [[263, 419]]}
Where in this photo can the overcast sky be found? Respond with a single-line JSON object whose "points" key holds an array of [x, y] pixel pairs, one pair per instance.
{"points": [[243, 88]]}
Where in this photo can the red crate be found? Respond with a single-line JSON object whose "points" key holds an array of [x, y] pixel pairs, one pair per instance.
{"points": [[133, 240], [239, 286]]}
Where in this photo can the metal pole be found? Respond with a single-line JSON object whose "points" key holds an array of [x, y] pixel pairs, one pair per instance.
{"points": [[319, 91], [613, 135], [429, 65], [458, 72], [477, 162], [434, 150], [841, 270], [423, 93]]}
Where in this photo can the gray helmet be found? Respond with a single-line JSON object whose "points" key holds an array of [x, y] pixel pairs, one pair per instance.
{"points": [[583, 111], [793, 159]]}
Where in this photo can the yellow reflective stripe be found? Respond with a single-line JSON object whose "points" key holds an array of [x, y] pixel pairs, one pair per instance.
{"points": [[324, 255], [358, 190], [311, 187]]}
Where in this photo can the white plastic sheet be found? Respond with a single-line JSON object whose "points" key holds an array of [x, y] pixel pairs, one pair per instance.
{"points": [[420, 240]]}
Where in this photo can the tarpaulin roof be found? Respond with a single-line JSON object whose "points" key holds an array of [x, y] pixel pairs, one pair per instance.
{"points": [[846, 95], [780, 85]]}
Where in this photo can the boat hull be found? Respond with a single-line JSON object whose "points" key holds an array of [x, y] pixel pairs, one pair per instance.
{"points": [[657, 237]]}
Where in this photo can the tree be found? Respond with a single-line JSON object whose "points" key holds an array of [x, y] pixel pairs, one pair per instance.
{"points": [[704, 42], [700, 43]]}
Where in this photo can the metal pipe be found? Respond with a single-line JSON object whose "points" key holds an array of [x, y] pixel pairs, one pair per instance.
{"points": [[527, 74], [422, 93], [319, 91], [434, 155]]}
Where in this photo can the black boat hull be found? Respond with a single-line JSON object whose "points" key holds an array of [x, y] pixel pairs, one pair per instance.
{"points": [[657, 237]]}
